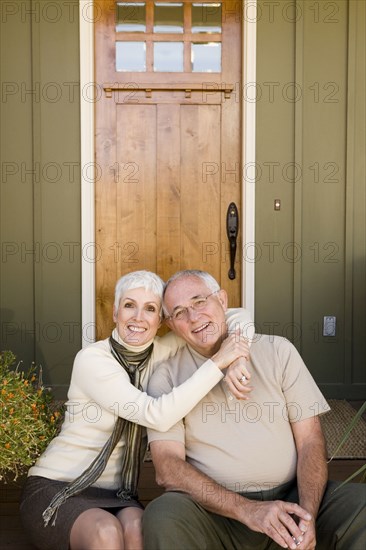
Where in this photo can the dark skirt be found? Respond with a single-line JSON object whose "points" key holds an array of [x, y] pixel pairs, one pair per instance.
{"points": [[38, 493]]}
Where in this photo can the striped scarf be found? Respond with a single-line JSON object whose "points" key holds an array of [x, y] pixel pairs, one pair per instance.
{"points": [[133, 363]]}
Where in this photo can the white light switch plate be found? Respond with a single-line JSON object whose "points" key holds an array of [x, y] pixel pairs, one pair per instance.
{"points": [[329, 325]]}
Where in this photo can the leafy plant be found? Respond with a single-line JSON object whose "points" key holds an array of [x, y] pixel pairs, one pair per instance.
{"points": [[347, 433], [28, 419]]}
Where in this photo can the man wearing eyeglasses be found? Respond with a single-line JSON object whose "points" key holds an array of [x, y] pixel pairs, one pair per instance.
{"points": [[244, 474]]}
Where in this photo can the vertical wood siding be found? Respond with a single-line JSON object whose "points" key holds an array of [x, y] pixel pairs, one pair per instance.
{"points": [[40, 185], [311, 144]]}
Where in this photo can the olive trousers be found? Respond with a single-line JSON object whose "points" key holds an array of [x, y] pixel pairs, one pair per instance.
{"points": [[174, 521]]}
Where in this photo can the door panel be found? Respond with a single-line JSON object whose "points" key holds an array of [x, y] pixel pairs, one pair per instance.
{"points": [[169, 189], [200, 200], [168, 153], [136, 190]]}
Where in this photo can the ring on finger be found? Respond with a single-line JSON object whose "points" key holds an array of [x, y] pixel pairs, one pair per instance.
{"points": [[243, 378]]}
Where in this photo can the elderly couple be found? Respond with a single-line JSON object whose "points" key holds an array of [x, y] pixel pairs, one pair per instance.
{"points": [[240, 454]]}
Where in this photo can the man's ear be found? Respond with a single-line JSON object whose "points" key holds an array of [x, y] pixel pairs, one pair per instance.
{"points": [[222, 296], [168, 323]]}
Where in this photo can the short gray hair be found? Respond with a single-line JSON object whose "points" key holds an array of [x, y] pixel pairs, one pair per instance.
{"points": [[208, 279], [138, 279]]}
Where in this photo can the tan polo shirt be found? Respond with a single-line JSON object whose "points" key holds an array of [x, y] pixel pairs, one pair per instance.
{"points": [[244, 445]]}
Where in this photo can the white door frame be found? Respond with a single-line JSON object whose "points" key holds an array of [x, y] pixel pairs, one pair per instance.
{"points": [[88, 92]]}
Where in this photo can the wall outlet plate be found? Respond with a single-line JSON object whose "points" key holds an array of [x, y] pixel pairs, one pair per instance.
{"points": [[329, 325]]}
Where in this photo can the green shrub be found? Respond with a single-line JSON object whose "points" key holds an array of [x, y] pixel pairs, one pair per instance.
{"points": [[28, 419]]}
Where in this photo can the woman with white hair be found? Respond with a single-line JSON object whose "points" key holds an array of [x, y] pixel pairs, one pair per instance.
{"points": [[82, 492]]}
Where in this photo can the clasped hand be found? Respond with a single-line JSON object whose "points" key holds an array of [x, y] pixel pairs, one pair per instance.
{"points": [[233, 355], [274, 518]]}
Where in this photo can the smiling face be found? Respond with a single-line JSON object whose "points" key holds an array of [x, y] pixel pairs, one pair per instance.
{"points": [[203, 329], [138, 316]]}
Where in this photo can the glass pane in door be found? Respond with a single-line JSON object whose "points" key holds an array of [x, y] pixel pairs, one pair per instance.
{"points": [[131, 56], [168, 17], [206, 17], [131, 17], [168, 57], [206, 58]]}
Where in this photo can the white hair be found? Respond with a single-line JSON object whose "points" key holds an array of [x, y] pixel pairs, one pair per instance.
{"points": [[209, 281], [138, 279]]}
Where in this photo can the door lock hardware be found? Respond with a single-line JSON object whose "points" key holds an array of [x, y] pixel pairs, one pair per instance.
{"points": [[232, 230]]}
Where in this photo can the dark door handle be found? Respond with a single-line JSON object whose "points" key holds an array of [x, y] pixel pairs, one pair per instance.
{"points": [[232, 230]]}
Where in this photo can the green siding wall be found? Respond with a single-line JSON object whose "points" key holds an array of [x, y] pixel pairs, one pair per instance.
{"points": [[312, 133], [40, 185]]}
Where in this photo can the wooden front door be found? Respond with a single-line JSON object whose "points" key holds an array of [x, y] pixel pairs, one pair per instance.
{"points": [[168, 140]]}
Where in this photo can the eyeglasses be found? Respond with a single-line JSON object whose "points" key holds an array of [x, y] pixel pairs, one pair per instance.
{"points": [[197, 304]]}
